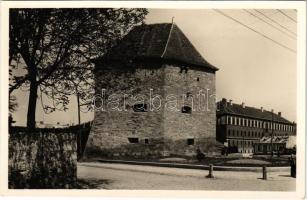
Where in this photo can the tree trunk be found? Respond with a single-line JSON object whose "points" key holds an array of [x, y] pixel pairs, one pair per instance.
{"points": [[32, 101]]}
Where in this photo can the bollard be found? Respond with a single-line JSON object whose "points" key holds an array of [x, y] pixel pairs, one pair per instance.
{"points": [[292, 168], [264, 173], [210, 175]]}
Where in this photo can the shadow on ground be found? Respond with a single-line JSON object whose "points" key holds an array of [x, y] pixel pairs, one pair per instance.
{"points": [[285, 175], [92, 184]]}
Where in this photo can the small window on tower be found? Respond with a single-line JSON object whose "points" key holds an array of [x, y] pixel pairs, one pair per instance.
{"points": [[190, 141], [186, 109], [140, 107], [133, 140], [197, 79], [146, 141]]}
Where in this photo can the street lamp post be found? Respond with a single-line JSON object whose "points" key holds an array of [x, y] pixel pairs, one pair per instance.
{"points": [[272, 132]]}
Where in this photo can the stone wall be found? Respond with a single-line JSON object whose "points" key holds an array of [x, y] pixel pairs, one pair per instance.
{"points": [[196, 89], [112, 127], [160, 131], [42, 158]]}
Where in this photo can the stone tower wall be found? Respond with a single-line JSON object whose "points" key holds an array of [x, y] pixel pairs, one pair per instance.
{"points": [[112, 128], [196, 89], [165, 129]]}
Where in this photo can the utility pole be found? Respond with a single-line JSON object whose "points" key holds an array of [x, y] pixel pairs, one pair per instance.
{"points": [[272, 132], [78, 102], [79, 122]]}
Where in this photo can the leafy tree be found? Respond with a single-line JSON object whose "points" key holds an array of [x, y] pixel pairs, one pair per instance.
{"points": [[51, 50]]}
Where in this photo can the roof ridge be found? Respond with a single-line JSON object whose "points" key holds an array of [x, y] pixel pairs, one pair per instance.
{"points": [[168, 38]]}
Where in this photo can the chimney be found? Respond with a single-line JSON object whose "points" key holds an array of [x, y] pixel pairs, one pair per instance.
{"points": [[224, 102], [279, 114], [261, 109], [272, 110], [230, 102], [243, 105]]}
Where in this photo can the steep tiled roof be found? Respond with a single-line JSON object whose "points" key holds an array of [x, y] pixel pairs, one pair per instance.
{"points": [[158, 41], [238, 109]]}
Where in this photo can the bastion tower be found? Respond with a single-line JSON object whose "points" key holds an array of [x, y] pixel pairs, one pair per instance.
{"points": [[155, 96]]}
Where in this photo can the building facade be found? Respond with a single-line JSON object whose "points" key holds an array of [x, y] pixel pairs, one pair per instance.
{"points": [[239, 127], [156, 76], [276, 144]]}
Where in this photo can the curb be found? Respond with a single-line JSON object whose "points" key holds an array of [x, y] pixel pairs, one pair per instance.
{"points": [[202, 167]]}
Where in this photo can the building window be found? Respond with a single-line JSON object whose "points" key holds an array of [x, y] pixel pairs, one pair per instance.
{"points": [[228, 120], [190, 141], [140, 107], [146, 141], [197, 79], [133, 140], [186, 109]]}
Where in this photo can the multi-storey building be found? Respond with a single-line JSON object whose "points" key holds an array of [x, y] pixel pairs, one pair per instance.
{"points": [[240, 126]]}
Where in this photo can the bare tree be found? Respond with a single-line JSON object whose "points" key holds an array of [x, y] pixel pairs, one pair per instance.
{"points": [[56, 46]]}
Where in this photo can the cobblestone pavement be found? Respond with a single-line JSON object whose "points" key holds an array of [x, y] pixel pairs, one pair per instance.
{"points": [[123, 176]]}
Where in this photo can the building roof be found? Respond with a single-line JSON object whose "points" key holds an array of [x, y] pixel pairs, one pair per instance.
{"points": [[157, 41], [238, 109]]}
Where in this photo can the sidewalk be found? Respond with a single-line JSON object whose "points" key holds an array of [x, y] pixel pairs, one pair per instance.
{"points": [[128, 176]]}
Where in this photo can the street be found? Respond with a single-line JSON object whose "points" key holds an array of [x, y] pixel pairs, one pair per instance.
{"points": [[123, 176]]}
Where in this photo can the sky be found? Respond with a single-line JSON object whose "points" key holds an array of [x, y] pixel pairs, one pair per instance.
{"points": [[252, 68]]}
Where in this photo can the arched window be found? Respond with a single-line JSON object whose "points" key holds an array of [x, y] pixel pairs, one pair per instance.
{"points": [[186, 109]]}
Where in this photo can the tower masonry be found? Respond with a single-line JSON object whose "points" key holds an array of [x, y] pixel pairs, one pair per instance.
{"points": [[155, 97]]}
